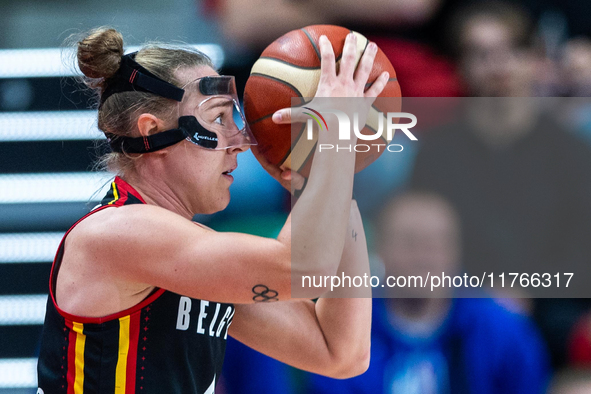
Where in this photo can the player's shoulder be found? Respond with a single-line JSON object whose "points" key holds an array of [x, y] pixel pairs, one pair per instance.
{"points": [[124, 223], [110, 217]]}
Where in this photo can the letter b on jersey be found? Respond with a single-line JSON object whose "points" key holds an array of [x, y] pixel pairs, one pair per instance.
{"points": [[182, 322]]}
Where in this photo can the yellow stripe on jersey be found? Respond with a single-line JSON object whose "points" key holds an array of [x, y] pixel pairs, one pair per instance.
{"points": [[79, 361], [121, 370], [115, 193]]}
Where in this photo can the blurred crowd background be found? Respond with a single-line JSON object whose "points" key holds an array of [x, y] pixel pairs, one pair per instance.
{"points": [[509, 188]]}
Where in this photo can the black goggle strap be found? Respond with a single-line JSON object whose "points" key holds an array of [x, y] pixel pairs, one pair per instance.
{"points": [[188, 127], [131, 77], [147, 144]]}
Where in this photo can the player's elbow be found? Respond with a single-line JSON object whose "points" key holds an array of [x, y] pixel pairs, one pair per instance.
{"points": [[353, 365], [356, 367]]}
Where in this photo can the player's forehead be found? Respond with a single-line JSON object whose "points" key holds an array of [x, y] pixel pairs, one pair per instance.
{"points": [[189, 78], [187, 75]]}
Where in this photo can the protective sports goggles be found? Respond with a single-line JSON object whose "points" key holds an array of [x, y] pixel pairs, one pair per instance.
{"points": [[209, 113], [213, 102]]}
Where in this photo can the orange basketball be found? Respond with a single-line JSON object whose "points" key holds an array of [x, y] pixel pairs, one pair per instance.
{"points": [[290, 68]]}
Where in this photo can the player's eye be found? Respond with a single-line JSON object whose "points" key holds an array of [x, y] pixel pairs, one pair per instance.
{"points": [[218, 120]]}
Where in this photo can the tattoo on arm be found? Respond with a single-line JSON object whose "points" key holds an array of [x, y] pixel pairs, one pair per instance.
{"points": [[263, 294], [354, 235]]}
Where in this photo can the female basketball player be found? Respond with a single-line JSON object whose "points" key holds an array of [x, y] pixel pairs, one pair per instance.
{"points": [[141, 297]]}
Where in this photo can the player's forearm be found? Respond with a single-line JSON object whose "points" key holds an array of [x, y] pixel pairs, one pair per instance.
{"points": [[289, 331], [346, 325], [346, 321], [319, 218]]}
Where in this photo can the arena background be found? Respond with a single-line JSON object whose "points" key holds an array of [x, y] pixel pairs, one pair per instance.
{"points": [[49, 140]]}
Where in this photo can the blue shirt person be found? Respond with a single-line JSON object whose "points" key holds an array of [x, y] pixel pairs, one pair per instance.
{"points": [[479, 347]]}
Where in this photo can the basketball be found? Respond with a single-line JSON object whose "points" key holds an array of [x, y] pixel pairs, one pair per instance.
{"points": [[290, 68]]}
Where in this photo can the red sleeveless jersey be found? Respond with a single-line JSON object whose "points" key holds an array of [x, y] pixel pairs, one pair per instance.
{"points": [[168, 343]]}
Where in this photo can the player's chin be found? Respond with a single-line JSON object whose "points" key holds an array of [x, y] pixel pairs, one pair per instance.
{"points": [[222, 201], [214, 208]]}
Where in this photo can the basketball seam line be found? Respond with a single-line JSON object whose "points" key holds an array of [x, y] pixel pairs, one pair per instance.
{"points": [[291, 148], [278, 80], [288, 63], [312, 42], [310, 154], [260, 119], [301, 133], [337, 59], [375, 131]]}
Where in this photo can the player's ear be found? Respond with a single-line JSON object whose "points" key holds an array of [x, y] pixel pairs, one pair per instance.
{"points": [[149, 124]]}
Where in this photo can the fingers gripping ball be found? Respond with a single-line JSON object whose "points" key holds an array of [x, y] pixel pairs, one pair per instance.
{"points": [[290, 67]]}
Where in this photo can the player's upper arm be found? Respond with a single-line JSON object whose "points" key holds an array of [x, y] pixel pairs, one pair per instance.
{"points": [[148, 244]]}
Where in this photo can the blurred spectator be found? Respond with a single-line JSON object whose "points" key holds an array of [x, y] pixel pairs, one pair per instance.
{"points": [[421, 71], [521, 183], [499, 54], [440, 345], [571, 381], [576, 68], [575, 71], [491, 41]]}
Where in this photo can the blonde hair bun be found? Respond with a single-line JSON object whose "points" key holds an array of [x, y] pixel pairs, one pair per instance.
{"points": [[99, 53]]}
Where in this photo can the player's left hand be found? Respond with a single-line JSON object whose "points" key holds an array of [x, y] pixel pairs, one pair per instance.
{"points": [[285, 176], [293, 179]]}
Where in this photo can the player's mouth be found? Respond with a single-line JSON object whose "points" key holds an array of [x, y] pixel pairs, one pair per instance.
{"points": [[227, 175]]}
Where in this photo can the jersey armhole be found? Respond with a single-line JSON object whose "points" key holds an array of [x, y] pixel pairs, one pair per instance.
{"points": [[157, 292]]}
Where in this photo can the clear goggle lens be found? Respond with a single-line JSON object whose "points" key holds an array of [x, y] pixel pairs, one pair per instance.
{"points": [[213, 101]]}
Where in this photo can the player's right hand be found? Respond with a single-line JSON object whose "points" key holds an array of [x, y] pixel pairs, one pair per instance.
{"points": [[344, 83]]}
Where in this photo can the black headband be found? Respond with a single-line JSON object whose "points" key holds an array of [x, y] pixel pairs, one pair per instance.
{"points": [[133, 77], [189, 127]]}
